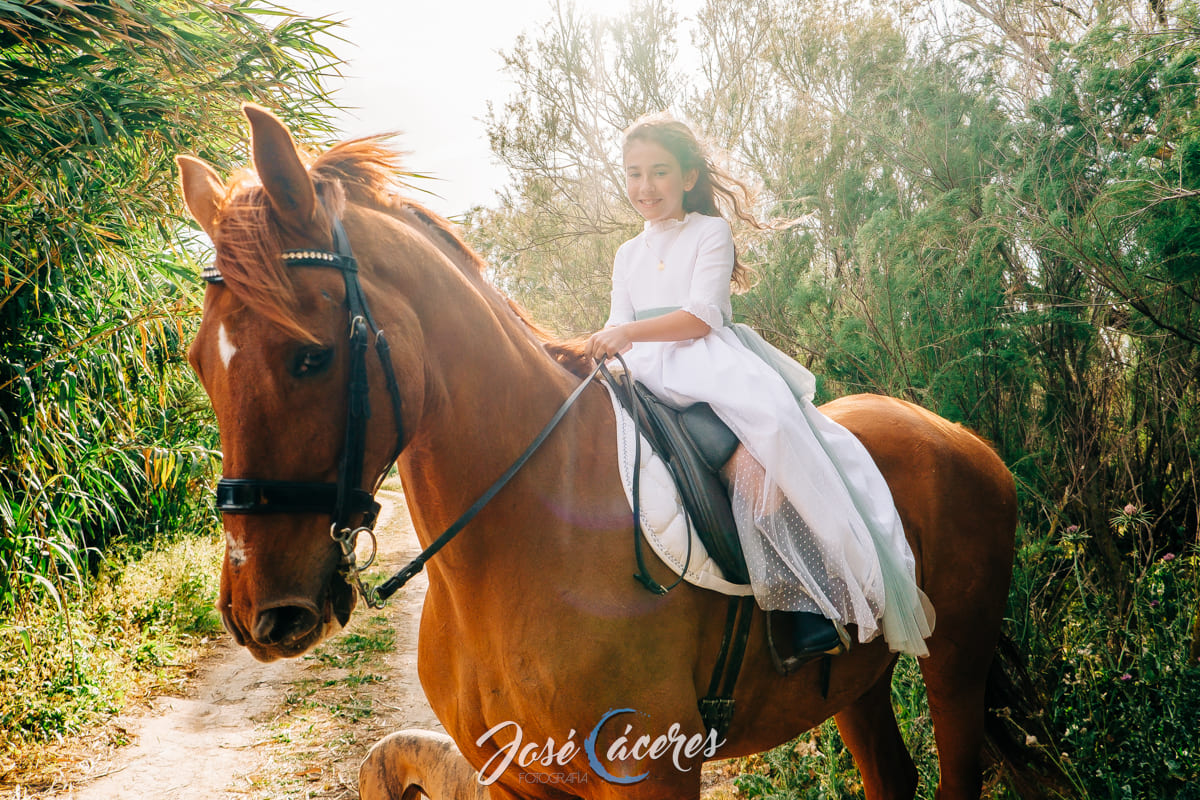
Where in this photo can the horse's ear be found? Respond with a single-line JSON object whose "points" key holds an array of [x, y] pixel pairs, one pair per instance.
{"points": [[203, 191], [283, 175]]}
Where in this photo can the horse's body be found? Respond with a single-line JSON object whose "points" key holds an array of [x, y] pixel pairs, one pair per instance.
{"points": [[532, 615]]}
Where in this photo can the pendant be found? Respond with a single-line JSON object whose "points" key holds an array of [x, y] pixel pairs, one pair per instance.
{"points": [[661, 265]]}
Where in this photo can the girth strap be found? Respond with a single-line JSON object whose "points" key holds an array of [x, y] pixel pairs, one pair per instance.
{"points": [[716, 708]]}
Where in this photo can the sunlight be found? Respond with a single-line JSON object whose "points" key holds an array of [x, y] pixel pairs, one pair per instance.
{"points": [[431, 69]]}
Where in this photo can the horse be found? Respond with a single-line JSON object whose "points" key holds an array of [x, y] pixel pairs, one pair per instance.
{"points": [[555, 674]]}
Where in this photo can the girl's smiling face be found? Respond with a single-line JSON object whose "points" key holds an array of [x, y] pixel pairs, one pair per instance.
{"points": [[654, 180]]}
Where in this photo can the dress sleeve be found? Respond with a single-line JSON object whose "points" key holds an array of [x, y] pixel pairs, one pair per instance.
{"points": [[620, 305], [709, 292]]}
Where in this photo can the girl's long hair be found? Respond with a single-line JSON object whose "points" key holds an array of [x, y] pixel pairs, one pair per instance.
{"points": [[716, 192]]}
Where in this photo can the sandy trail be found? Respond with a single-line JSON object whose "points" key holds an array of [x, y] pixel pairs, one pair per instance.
{"points": [[222, 739]]}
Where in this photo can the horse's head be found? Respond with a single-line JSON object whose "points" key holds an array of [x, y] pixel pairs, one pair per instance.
{"points": [[274, 354]]}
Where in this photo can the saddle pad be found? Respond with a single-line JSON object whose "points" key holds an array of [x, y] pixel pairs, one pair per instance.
{"points": [[664, 521]]}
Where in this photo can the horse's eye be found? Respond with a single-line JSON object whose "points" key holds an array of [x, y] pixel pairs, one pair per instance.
{"points": [[311, 360]]}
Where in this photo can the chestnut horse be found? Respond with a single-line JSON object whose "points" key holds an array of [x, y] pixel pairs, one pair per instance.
{"points": [[533, 628]]}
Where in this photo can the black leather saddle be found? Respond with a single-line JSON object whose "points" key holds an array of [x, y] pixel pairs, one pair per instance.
{"points": [[694, 443]]}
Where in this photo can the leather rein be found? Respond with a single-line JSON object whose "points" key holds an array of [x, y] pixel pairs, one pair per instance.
{"points": [[344, 500]]}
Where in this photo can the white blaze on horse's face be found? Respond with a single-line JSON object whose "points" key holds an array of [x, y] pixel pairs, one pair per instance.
{"points": [[225, 346]]}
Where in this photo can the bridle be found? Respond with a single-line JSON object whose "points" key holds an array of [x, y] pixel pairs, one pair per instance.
{"points": [[344, 500]]}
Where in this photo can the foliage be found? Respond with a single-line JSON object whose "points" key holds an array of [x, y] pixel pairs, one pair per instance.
{"points": [[1104, 192], [105, 437], [990, 210], [1120, 694], [139, 628]]}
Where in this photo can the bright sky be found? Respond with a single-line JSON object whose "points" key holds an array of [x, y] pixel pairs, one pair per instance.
{"points": [[428, 68]]}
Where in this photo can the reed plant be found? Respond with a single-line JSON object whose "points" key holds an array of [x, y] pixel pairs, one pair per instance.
{"points": [[107, 446]]}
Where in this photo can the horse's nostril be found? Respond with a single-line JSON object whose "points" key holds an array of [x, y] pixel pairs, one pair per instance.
{"points": [[284, 624]]}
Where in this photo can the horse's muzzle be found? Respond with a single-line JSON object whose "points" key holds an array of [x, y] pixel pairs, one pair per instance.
{"points": [[290, 626], [286, 624]]}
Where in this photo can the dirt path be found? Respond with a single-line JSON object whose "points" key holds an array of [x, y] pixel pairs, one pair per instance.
{"points": [[290, 729], [294, 728]]}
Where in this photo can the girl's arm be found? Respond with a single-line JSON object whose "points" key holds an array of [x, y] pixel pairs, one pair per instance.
{"points": [[671, 327]]}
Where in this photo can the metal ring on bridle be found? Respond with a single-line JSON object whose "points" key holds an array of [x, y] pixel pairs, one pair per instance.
{"points": [[340, 535], [348, 539], [374, 547]]}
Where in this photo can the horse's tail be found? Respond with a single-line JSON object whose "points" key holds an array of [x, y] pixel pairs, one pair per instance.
{"points": [[1022, 750]]}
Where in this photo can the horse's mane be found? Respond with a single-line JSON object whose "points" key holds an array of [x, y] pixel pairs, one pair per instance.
{"points": [[369, 172]]}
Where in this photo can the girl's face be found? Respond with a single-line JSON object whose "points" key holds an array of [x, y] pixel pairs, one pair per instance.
{"points": [[655, 182]]}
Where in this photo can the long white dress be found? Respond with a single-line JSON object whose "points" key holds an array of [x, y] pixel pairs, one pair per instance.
{"points": [[815, 517]]}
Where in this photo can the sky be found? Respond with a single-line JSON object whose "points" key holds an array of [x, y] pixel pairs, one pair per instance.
{"points": [[428, 68]]}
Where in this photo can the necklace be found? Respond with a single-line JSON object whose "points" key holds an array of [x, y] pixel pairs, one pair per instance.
{"points": [[662, 254]]}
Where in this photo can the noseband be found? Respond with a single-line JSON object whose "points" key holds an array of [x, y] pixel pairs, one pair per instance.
{"points": [[344, 500]]}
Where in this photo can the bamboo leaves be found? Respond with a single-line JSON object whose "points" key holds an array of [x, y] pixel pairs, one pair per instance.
{"points": [[105, 436]]}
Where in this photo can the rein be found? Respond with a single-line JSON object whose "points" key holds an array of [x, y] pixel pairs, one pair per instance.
{"points": [[344, 500], [394, 583]]}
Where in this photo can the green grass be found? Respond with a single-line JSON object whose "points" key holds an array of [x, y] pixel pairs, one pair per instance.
{"points": [[358, 647], [135, 629]]}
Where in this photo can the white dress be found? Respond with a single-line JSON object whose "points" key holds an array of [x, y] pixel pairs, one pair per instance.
{"points": [[814, 515]]}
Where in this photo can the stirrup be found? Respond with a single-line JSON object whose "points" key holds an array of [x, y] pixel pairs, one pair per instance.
{"points": [[826, 648]]}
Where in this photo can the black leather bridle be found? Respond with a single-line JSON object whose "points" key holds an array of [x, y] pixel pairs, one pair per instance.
{"points": [[345, 501]]}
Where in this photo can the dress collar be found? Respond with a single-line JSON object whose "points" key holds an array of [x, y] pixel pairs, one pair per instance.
{"points": [[659, 226]]}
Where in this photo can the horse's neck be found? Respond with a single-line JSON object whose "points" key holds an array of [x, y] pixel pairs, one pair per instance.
{"points": [[487, 407], [487, 395], [489, 387]]}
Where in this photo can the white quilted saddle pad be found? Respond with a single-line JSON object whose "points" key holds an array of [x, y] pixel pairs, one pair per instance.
{"points": [[664, 520]]}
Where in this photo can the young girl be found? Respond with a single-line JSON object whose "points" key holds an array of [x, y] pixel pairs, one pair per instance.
{"points": [[816, 519]]}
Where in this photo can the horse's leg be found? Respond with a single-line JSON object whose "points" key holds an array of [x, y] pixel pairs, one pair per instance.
{"points": [[955, 676], [969, 588], [868, 727], [411, 764]]}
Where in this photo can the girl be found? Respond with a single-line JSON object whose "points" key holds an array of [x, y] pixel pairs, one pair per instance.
{"points": [[815, 517]]}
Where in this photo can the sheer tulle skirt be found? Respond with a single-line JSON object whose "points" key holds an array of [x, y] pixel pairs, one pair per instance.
{"points": [[815, 516]]}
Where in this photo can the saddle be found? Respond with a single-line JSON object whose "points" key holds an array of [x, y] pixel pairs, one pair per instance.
{"points": [[695, 444]]}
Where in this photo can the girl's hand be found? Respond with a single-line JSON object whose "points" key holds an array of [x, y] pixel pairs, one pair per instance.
{"points": [[676, 326], [606, 343]]}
